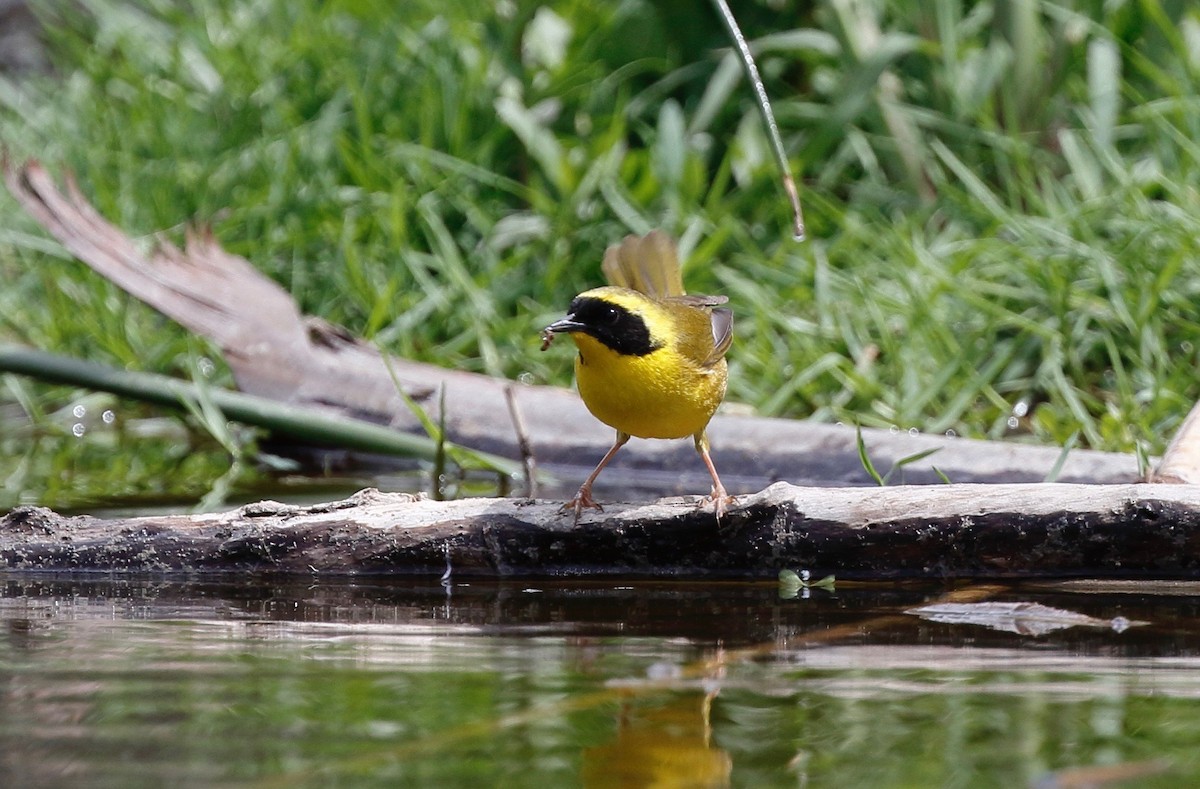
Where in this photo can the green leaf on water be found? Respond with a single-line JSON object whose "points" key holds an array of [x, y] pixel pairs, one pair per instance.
{"points": [[792, 582], [789, 584]]}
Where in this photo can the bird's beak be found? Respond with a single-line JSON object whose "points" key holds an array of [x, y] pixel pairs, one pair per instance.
{"points": [[564, 325], [567, 324]]}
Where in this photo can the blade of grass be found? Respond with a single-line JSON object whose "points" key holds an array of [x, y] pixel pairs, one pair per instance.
{"points": [[441, 448], [1060, 461], [907, 459], [764, 107], [865, 458]]}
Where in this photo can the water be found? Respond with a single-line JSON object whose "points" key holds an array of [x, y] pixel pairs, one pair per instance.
{"points": [[130, 684]]}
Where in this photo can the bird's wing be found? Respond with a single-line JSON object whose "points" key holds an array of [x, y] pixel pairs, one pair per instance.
{"points": [[722, 329], [648, 264], [720, 321]]}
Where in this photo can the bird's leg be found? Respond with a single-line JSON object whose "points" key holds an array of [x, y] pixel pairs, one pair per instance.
{"points": [[584, 497], [719, 497]]}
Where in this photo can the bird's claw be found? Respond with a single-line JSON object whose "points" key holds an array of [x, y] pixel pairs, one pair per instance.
{"points": [[582, 499], [720, 501]]}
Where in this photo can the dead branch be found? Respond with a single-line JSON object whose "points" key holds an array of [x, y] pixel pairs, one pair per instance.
{"points": [[276, 352]]}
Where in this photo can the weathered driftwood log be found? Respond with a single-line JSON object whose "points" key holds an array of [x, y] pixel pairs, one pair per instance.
{"points": [[1005, 530], [276, 352], [936, 531]]}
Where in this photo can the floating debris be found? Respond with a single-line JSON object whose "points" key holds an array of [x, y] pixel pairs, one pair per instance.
{"points": [[1026, 619], [792, 583]]}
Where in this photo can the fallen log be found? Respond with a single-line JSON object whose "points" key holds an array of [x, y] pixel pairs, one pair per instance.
{"points": [[275, 352], [931, 532], [1114, 530]]}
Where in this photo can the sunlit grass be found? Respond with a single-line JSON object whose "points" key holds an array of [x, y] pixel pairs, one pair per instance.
{"points": [[1002, 202]]}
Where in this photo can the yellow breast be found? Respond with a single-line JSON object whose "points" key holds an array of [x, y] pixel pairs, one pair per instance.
{"points": [[662, 394]]}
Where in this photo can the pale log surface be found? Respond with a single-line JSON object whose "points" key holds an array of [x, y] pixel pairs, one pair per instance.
{"points": [[933, 532]]}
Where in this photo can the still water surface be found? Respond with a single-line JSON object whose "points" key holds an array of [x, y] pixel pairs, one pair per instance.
{"points": [[553, 684]]}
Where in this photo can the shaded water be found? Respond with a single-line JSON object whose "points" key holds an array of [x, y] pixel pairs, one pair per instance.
{"points": [[571, 684]]}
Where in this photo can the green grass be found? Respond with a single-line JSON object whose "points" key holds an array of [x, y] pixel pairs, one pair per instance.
{"points": [[1002, 200]]}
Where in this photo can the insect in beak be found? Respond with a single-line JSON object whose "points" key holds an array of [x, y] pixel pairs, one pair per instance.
{"points": [[567, 324]]}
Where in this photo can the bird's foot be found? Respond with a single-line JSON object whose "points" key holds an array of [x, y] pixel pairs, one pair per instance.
{"points": [[582, 499], [720, 501]]}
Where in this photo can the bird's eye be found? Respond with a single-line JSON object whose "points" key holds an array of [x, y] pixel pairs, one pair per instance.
{"points": [[611, 315]]}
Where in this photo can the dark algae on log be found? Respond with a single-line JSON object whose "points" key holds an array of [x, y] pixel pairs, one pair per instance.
{"points": [[936, 531]]}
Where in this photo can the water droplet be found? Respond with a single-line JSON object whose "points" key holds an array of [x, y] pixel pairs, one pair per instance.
{"points": [[108, 416], [912, 431], [526, 378], [805, 575], [1013, 422], [79, 412], [207, 368], [951, 434], [1021, 408], [893, 430], [1185, 346], [78, 430], [840, 423]]}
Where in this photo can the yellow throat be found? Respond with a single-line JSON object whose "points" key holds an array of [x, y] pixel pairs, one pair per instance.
{"points": [[664, 388]]}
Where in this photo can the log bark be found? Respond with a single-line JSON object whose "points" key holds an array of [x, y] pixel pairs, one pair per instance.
{"points": [[936, 531]]}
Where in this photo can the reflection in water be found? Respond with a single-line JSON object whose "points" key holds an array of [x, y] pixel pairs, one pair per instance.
{"points": [[1102, 775], [557, 684], [664, 745], [39, 716]]}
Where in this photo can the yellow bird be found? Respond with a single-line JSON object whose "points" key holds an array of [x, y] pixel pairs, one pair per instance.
{"points": [[651, 360]]}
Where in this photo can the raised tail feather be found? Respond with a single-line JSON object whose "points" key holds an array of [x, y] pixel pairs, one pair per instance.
{"points": [[649, 264]]}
